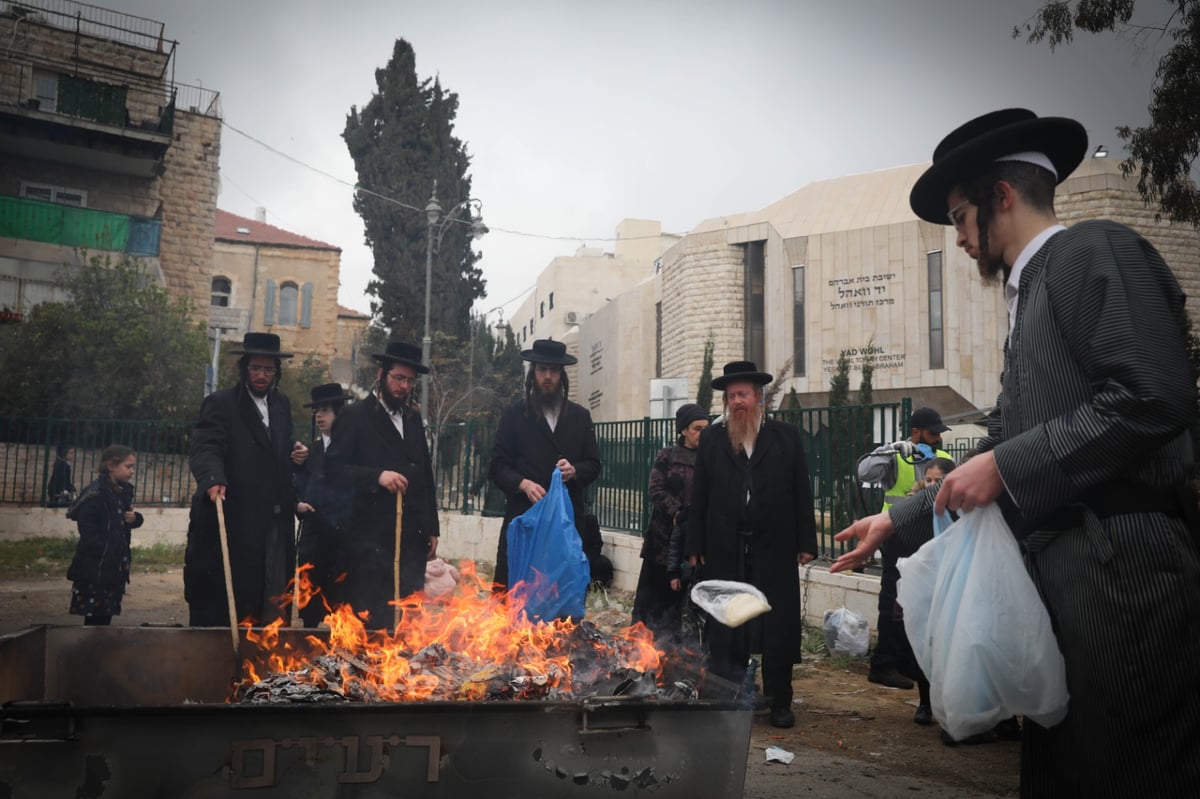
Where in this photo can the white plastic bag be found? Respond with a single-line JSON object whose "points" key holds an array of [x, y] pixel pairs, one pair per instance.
{"points": [[978, 629], [729, 602], [846, 632]]}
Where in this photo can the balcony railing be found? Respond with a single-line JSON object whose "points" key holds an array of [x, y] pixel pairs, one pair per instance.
{"points": [[65, 225]]}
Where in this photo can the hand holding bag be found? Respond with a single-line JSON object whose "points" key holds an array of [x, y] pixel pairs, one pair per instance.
{"points": [[979, 629], [547, 568]]}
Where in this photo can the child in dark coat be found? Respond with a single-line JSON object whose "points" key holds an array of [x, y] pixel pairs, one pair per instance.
{"points": [[105, 515]]}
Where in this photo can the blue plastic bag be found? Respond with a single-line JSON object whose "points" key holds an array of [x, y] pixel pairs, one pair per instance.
{"points": [[978, 629], [546, 564]]}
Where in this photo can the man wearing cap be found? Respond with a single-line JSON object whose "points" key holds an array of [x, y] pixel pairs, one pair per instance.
{"points": [[891, 647], [242, 452], [379, 449], [1087, 454], [542, 432], [658, 601], [751, 520], [323, 507]]}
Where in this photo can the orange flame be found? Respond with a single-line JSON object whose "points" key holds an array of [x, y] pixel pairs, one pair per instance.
{"points": [[460, 646]]}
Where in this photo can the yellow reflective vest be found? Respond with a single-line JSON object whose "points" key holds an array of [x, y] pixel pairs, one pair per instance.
{"points": [[906, 475]]}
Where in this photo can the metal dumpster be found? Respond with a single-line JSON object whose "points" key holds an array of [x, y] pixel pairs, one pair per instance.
{"points": [[141, 712]]}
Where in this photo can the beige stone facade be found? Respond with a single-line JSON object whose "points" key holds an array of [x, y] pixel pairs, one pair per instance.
{"points": [[268, 279], [101, 154], [865, 276]]}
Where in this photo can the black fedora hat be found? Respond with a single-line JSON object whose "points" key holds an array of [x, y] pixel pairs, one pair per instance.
{"points": [[327, 394], [549, 351], [401, 352], [741, 371], [973, 147], [260, 344]]}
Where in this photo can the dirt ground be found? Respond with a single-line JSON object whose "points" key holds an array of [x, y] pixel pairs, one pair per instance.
{"points": [[852, 738]]}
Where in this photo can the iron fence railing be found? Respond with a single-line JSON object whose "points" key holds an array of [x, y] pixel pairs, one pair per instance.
{"points": [[834, 439]]}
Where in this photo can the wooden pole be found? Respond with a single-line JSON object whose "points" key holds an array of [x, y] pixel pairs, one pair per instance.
{"points": [[228, 580], [396, 561]]}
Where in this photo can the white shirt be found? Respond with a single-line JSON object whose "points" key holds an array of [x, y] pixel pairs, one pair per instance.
{"points": [[325, 442], [261, 403], [397, 420], [1013, 286]]}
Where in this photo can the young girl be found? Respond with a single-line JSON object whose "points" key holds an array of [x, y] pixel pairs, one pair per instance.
{"points": [[105, 515]]}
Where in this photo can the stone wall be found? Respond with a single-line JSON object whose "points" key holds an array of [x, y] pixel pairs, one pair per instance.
{"points": [[701, 293], [188, 191]]}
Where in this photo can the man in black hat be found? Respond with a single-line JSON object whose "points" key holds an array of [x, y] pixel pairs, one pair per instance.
{"points": [[242, 451], [1088, 455], [323, 507], [751, 520], [542, 432], [379, 449]]}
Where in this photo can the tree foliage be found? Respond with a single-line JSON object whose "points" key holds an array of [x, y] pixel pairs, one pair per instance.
{"points": [[704, 393], [1163, 153], [120, 348], [402, 141], [775, 387]]}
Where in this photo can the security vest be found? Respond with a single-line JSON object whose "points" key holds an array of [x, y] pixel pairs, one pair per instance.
{"points": [[906, 475]]}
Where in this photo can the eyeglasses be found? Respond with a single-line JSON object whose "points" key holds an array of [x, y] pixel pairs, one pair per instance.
{"points": [[952, 214], [402, 380], [269, 371]]}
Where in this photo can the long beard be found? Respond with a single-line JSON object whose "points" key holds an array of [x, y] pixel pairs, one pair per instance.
{"points": [[743, 429], [547, 400]]}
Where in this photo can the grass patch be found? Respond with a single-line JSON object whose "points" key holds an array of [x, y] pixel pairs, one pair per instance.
{"points": [[36, 557]]}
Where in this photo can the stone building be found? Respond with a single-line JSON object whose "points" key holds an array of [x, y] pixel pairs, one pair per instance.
{"points": [[265, 278], [840, 266], [102, 154]]}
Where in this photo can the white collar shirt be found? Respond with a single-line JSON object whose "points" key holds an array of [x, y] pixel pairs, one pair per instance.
{"points": [[1013, 286], [263, 411]]}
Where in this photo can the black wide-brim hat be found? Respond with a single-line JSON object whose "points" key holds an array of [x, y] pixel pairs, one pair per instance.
{"points": [[973, 147], [746, 371], [327, 394], [401, 352], [549, 351], [261, 344]]}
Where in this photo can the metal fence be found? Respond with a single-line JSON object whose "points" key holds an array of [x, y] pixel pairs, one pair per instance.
{"points": [[833, 439]]}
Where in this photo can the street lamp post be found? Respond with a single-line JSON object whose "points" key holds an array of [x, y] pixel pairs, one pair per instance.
{"points": [[433, 242]]}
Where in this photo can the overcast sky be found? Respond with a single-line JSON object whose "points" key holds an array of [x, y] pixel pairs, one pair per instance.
{"points": [[578, 114]]}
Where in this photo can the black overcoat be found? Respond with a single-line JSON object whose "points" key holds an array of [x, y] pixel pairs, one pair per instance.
{"points": [[231, 447], [780, 516], [526, 448], [102, 555], [365, 443], [318, 540]]}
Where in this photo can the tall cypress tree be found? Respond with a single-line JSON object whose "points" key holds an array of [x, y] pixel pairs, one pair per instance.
{"points": [[402, 141]]}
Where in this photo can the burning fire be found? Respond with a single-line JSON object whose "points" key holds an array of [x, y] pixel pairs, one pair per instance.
{"points": [[468, 645]]}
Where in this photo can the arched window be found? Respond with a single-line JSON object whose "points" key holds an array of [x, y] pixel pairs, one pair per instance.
{"points": [[221, 291], [289, 295]]}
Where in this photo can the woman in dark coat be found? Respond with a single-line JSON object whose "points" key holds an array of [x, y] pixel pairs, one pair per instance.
{"points": [[657, 602], [105, 515]]}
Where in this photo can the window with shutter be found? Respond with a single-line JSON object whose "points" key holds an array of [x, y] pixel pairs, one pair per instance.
{"points": [[288, 300], [269, 304], [306, 297]]}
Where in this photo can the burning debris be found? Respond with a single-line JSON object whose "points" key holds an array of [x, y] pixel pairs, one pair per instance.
{"points": [[471, 645]]}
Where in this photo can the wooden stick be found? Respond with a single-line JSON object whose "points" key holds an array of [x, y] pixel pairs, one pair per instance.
{"points": [[295, 615], [396, 560], [228, 580]]}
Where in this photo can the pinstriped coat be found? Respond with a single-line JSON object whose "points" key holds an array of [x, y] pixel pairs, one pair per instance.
{"points": [[1097, 393]]}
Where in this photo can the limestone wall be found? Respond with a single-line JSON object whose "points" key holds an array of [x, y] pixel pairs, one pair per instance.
{"points": [[188, 191]]}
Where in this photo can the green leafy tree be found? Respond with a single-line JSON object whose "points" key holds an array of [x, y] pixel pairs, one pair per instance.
{"points": [[1163, 153], [791, 401], [402, 142], [775, 387], [296, 384], [704, 394], [119, 348], [840, 443]]}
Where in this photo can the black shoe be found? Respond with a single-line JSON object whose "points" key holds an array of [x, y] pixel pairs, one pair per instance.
{"points": [[985, 737], [923, 716], [889, 677], [1008, 730], [782, 717]]}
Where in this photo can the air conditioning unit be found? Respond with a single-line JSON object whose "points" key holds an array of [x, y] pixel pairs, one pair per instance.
{"points": [[572, 318]]}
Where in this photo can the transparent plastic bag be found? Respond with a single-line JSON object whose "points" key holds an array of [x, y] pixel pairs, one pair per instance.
{"points": [[730, 602], [979, 630], [846, 632]]}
